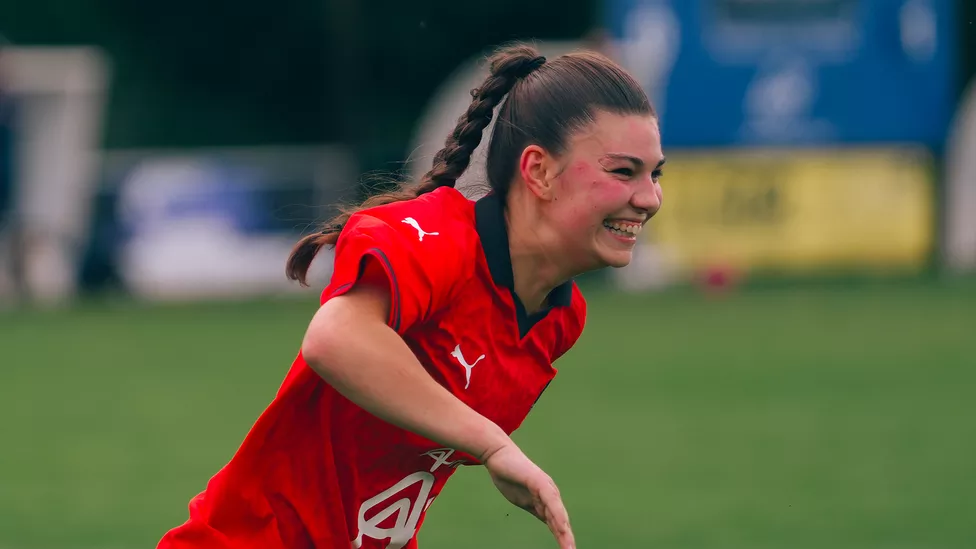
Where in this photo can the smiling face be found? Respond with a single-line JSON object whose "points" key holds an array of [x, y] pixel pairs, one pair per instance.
{"points": [[605, 188]]}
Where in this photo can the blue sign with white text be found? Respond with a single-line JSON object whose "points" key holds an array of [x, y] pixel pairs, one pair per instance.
{"points": [[792, 72]]}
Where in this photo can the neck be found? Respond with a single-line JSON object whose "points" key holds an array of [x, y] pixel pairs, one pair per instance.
{"points": [[537, 265]]}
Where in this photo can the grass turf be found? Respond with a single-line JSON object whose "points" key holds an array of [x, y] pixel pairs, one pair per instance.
{"points": [[805, 417]]}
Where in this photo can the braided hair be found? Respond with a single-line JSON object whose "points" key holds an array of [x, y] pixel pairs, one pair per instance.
{"points": [[507, 67], [543, 103]]}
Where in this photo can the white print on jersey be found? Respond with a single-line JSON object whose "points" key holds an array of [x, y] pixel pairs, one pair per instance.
{"points": [[407, 512], [464, 363], [420, 232], [441, 457]]}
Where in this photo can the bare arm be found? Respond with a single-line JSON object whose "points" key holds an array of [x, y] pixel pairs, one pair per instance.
{"points": [[349, 344]]}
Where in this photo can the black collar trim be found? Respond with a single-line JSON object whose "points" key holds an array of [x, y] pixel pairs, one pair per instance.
{"points": [[489, 214]]}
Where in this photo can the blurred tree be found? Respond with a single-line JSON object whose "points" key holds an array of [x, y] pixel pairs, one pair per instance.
{"points": [[191, 73], [395, 53]]}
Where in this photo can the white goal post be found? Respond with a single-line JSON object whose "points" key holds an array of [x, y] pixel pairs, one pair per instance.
{"points": [[58, 100]]}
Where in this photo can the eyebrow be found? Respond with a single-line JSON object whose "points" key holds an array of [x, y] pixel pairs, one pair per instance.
{"points": [[637, 161]]}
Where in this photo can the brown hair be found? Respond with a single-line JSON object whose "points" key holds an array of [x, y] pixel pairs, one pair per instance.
{"points": [[546, 103]]}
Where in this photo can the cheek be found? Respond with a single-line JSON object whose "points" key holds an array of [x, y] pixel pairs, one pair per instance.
{"points": [[593, 202], [589, 196], [608, 196]]}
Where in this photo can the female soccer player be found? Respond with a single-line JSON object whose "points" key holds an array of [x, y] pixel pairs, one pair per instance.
{"points": [[438, 330]]}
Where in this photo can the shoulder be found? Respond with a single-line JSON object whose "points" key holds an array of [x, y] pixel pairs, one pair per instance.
{"points": [[429, 243], [438, 222], [423, 247], [445, 204]]}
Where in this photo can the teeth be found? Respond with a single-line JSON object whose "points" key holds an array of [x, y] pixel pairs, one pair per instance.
{"points": [[626, 228]]}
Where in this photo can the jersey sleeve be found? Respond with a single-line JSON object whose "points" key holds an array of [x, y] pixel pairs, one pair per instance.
{"points": [[422, 268]]}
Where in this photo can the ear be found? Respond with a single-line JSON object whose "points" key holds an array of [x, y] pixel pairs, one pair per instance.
{"points": [[537, 169]]}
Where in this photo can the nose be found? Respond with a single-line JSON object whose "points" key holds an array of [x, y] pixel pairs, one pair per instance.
{"points": [[647, 197]]}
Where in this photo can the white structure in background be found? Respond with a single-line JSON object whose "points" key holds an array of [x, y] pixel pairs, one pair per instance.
{"points": [[650, 47], [59, 100], [960, 223], [202, 224], [648, 270]]}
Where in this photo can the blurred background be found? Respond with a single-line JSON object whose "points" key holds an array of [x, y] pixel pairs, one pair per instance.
{"points": [[788, 362]]}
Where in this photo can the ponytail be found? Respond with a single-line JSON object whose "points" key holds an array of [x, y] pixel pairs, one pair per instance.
{"points": [[507, 67]]}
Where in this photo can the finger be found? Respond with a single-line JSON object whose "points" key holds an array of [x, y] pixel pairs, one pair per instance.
{"points": [[557, 519], [563, 534]]}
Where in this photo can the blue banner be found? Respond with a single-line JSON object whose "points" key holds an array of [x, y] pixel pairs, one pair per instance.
{"points": [[792, 72]]}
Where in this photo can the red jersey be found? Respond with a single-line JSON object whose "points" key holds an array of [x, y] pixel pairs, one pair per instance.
{"points": [[316, 470]]}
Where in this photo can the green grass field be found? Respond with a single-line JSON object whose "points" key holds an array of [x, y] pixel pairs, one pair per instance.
{"points": [[814, 417]]}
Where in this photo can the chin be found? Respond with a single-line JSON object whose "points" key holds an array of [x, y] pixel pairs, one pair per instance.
{"points": [[617, 259]]}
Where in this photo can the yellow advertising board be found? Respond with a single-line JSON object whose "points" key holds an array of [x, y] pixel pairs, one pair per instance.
{"points": [[798, 211]]}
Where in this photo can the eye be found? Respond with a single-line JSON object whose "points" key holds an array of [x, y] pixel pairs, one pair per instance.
{"points": [[656, 175], [625, 172]]}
